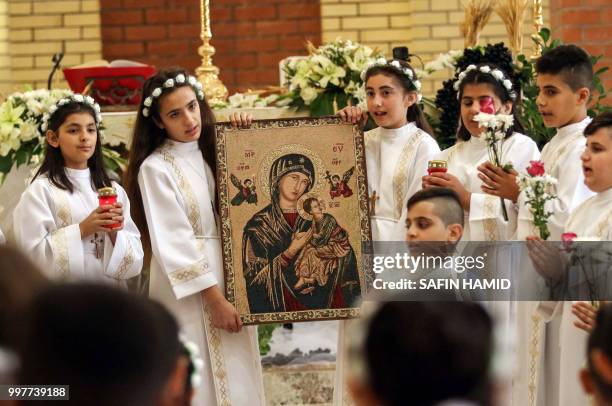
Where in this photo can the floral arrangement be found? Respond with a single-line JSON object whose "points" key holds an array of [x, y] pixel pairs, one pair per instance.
{"points": [[538, 187], [330, 78], [252, 100], [22, 139], [496, 126]]}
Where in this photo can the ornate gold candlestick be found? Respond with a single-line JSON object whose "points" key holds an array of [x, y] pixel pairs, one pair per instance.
{"points": [[538, 23], [208, 74]]}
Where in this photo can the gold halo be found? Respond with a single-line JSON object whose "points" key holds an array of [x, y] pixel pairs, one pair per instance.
{"points": [[300, 204], [263, 175]]}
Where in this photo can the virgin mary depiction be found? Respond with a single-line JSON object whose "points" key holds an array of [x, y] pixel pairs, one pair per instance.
{"points": [[274, 237]]}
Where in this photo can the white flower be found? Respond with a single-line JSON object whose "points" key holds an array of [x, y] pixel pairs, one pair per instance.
{"points": [[308, 94], [169, 83], [200, 95], [96, 107], [52, 109], [34, 106], [417, 84], [145, 112], [156, 92], [198, 85], [90, 100], [192, 80], [79, 98], [98, 118], [196, 380], [180, 78], [148, 101], [29, 131], [470, 67], [192, 348], [485, 69], [63, 102], [396, 64], [507, 84], [497, 74]]}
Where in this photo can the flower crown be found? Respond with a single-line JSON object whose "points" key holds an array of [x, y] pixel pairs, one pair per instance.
{"points": [[397, 65], [195, 360], [498, 74], [170, 83], [73, 98]]}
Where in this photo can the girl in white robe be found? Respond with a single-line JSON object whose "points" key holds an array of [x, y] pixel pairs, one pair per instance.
{"points": [[484, 219], [171, 181], [398, 150], [58, 220], [397, 156]]}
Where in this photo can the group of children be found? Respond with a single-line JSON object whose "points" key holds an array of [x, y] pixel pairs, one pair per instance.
{"points": [[168, 210]]}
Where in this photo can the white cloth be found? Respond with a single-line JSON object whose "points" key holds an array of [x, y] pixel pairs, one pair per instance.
{"points": [[538, 334], [46, 227], [396, 160], [177, 188], [561, 157], [485, 221]]}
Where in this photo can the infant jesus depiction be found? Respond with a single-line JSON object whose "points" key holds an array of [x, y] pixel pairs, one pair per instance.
{"points": [[325, 251]]}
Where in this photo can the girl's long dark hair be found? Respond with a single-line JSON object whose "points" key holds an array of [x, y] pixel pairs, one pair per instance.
{"points": [[475, 77], [148, 137], [53, 162], [414, 112]]}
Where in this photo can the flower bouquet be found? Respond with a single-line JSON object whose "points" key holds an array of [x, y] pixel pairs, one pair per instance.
{"points": [[496, 126], [538, 187], [330, 78]]}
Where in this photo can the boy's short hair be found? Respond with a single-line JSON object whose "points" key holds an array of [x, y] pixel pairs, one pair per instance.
{"points": [[446, 203], [572, 63], [111, 347], [429, 352], [601, 339], [604, 120]]}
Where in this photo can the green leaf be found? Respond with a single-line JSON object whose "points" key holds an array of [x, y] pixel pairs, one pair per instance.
{"points": [[545, 34], [323, 105], [6, 162]]}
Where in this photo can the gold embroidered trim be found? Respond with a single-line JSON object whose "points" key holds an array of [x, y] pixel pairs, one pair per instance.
{"points": [[60, 252], [401, 172], [490, 223], [534, 353], [59, 239], [189, 272], [126, 262], [217, 361], [455, 149], [193, 212]]}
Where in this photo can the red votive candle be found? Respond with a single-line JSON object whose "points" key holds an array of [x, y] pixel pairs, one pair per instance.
{"points": [[436, 166], [108, 196]]}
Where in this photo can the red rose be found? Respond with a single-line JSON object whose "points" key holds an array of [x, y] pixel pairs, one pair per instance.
{"points": [[487, 105], [567, 239], [536, 168]]}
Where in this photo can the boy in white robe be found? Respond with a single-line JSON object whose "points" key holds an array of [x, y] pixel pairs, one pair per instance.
{"points": [[564, 79]]}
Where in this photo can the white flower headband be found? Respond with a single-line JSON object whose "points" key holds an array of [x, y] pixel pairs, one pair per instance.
{"points": [[195, 359], [496, 73], [73, 98], [397, 65], [178, 80]]}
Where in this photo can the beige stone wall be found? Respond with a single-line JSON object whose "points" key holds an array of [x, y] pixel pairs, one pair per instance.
{"points": [[38, 29], [427, 27]]}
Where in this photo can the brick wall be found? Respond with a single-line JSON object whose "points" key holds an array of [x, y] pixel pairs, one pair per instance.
{"points": [[586, 23], [427, 27], [250, 37], [38, 29], [5, 58]]}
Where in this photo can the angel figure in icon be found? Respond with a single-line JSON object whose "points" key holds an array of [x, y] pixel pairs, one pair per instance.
{"points": [[246, 191], [339, 187]]}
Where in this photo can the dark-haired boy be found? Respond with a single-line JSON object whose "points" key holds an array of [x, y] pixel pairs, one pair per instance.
{"points": [[565, 82], [599, 351]]}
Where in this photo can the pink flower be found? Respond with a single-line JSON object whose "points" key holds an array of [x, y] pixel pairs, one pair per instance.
{"points": [[487, 105], [567, 239], [536, 168]]}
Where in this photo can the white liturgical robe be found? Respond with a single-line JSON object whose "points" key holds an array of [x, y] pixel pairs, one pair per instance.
{"points": [[538, 336], [178, 189], [485, 221], [396, 160], [46, 226]]}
